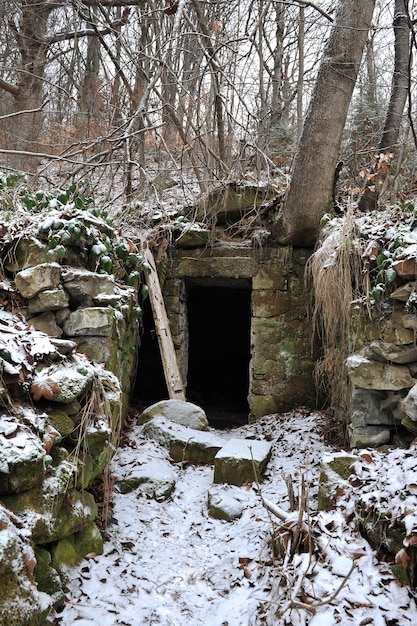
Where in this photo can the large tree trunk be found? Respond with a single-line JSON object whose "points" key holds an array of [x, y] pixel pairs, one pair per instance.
{"points": [[311, 191], [399, 93]]}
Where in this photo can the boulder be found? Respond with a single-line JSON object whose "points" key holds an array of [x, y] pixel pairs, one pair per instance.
{"points": [[21, 458], [225, 504], [28, 252], [177, 411], [183, 444], [241, 461], [366, 409], [155, 479], [368, 374], [41, 277]]}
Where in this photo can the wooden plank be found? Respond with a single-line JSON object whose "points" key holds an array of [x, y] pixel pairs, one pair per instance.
{"points": [[166, 346]]}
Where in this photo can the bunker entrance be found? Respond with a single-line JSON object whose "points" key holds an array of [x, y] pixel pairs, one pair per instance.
{"points": [[150, 383], [219, 323]]}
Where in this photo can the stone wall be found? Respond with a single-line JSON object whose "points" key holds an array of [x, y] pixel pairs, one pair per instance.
{"points": [[68, 337], [281, 367]]}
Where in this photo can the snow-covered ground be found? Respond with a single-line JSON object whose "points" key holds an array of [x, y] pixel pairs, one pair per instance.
{"points": [[169, 563]]}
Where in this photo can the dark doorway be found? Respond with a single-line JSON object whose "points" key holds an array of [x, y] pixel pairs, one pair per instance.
{"points": [[150, 385], [219, 321]]}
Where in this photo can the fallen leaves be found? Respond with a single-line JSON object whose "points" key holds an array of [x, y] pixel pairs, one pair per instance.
{"points": [[44, 388]]}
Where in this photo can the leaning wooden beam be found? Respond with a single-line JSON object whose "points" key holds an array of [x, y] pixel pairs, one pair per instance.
{"points": [[166, 346]]}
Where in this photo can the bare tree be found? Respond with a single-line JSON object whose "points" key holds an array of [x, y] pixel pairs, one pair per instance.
{"points": [[311, 190], [399, 92]]}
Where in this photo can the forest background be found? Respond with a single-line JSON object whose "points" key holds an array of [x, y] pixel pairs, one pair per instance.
{"points": [[140, 96]]}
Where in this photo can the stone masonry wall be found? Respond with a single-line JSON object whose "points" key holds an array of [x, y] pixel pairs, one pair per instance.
{"points": [[281, 367]]}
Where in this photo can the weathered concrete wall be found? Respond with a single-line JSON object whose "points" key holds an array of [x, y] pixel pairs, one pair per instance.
{"points": [[281, 367]]}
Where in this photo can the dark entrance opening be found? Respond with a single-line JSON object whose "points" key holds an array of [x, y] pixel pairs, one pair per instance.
{"points": [[150, 385], [219, 321]]}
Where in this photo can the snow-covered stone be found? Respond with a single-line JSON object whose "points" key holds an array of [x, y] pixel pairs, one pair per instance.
{"points": [[224, 503], [156, 479], [240, 461], [21, 458], [185, 413], [41, 277], [184, 444], [369, 374], [193, 236]]}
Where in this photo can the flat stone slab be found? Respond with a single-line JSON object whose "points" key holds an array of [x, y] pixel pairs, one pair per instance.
{"points": [[238, 460], [183, 444]]}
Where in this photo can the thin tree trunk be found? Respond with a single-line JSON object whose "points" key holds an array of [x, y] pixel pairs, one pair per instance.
{"points": [[311, 191], [399, 92]]}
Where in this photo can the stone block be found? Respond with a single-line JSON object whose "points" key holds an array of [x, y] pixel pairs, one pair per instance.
{"points": [[334, 471], [241, 461], [98, 321], [369, 437], [184, 444], [48, 300], [155, 479], [225, 503], [375, 375], [32, 280]]}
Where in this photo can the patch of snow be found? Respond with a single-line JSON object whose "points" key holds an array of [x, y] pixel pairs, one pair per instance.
{"points": [[169, 563]]}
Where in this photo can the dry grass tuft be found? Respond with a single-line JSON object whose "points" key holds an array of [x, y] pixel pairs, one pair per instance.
{"points": [[334, 275]]}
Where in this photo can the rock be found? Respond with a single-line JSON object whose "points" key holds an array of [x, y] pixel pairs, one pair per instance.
{"points": [[65, 383], [224, 504], [48, 300], [22, 604], [334, 471], [409, 404], [52, 511], [409, 321], [229, 202], [403, 292], [32, 280], [395, 354], [64, 346], [375, 375], [46, 323], [184, 444], [177, 411], [97, 321], [406, 268], [369, 437], [193, 236], [21, 458], [155, 478], [28, 252], [409, 424], [366, 409], [238, 461], [47, 578], [83, 285]]}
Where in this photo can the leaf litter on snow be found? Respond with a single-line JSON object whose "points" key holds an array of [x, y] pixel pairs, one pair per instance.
{"points": [[168, 562]]}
